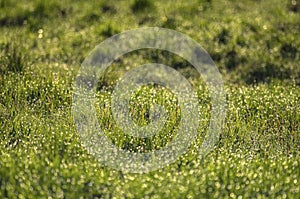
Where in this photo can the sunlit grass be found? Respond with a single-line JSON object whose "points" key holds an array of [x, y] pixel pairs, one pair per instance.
{"points": [[256, 46]]}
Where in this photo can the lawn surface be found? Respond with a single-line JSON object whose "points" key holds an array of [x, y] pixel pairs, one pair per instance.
{"points": [[256, 46]]}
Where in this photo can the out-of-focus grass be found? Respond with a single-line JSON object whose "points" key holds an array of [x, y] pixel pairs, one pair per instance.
{"points": [[256, 46]]}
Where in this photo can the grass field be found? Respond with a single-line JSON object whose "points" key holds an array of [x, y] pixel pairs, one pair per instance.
{"points": [[256, 46]]}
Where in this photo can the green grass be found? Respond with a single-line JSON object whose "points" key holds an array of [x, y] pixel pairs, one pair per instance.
{"points": [[255, 45]]}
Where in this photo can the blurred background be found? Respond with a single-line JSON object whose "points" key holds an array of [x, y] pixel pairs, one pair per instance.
{"points": [[250, 41]]}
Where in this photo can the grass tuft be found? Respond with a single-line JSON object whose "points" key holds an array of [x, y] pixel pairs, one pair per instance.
{"points": [[12, 58], [142, 5]]}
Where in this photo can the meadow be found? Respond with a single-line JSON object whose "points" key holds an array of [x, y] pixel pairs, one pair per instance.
{"points": [[256, 47]]}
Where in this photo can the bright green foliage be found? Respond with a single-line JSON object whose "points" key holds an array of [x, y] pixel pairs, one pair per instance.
{"points": [[256, 46]]}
